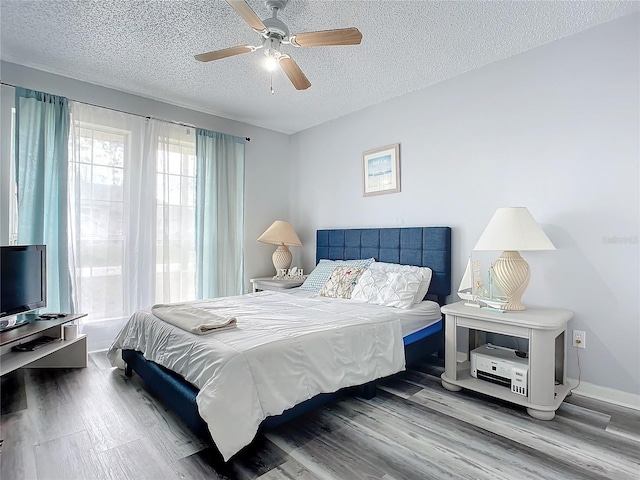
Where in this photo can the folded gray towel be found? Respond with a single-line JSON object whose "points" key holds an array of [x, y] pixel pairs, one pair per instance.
{"points": [[192, 319]]}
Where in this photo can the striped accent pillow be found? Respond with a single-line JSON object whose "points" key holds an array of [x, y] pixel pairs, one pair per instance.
{"points": [[319, 276]]}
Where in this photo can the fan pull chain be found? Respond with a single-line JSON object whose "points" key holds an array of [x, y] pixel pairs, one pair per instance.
{"points": [[273, 92]]}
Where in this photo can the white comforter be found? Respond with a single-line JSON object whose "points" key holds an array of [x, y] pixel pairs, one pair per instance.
{"points": [[284, 350]]}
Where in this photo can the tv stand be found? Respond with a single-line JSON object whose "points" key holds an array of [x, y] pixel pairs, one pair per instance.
{"points": [[63, 354]]}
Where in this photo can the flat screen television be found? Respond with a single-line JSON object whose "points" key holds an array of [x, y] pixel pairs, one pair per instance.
{"points": [[23, 283]]}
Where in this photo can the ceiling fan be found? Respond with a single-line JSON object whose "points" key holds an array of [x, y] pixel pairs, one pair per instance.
{"points": [[274, 34]]}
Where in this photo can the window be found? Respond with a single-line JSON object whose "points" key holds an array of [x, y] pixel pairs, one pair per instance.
{"points": [[176, 199], [134, 238], [100, 239], [133, 216]]}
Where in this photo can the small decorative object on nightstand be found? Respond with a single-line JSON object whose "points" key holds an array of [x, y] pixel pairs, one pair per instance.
{"points": [[294, 273], [275, 284], [471, 284]]}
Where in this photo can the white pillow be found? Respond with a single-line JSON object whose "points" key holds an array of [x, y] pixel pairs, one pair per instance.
{"points": [[392, 289], [394, 267]]}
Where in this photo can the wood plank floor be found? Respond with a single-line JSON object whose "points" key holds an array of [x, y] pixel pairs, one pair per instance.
{"points": [[94, 423]]}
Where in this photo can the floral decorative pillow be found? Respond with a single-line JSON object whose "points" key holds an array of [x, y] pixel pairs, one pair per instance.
{"points": [[342, 282]]}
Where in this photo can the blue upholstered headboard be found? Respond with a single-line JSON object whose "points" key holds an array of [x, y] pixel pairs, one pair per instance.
{"points": [[421, 246]]}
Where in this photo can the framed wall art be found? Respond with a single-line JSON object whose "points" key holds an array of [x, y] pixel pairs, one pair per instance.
{"points": [[381, 170]]}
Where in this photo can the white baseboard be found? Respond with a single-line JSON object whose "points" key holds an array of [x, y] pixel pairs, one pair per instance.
{"points": [[605, 394], [100, 350]]}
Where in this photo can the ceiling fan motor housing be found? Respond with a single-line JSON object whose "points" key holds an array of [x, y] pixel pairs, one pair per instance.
{"points": [[276, 26], [273, 24]]}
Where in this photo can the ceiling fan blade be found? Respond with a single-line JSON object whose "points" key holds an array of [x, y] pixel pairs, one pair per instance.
{"points": [[291, 68], [243, 9], [224, 53], [326, 38]]}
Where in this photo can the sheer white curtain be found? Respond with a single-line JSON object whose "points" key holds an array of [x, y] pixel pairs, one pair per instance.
{"points": [[104, 146], [130, 198], [175, 159]]}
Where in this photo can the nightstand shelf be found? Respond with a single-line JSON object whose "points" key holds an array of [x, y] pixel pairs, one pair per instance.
{"points": [[275, 285], [544, 328], [465, 380]]}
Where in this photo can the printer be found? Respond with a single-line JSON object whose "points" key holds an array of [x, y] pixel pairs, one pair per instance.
{"points": [[502, 366]]}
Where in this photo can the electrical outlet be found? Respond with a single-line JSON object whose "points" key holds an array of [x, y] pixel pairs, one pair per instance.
{"points": [[579, 339]]}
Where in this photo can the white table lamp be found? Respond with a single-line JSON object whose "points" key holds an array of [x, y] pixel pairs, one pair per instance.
{"points": [[281, 233], [512, 229]]}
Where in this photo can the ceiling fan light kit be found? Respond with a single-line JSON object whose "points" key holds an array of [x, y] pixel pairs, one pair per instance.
{"points": [[275, 33]]}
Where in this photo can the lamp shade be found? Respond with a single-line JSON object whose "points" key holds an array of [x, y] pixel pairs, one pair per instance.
{"points": [[280, 233], [513, 228]]}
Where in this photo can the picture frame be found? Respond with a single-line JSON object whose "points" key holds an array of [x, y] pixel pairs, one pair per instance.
{"points": [[381, 171]]}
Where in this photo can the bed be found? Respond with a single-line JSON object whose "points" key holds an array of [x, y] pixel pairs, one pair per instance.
{"points": [[428, 246]]}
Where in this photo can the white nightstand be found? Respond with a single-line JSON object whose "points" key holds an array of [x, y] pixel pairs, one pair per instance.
{"points": [[544, 328], [269, 283]]}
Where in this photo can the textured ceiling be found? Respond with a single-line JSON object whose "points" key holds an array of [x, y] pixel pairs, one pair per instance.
{"points": [[146, 47]]}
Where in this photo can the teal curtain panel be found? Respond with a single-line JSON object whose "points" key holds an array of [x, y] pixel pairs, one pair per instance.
{"points": [[219, 214], [41, 153]]}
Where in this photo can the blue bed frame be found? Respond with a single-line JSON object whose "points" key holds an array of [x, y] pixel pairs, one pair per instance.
{"points": [[421, 246]]}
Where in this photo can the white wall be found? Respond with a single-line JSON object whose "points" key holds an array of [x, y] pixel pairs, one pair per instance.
{"points": [[555, 129], [266, 154]]}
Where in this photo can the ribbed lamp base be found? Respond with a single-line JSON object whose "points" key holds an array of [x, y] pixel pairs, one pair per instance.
{"points": [[512, 274], [282, 258]]}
